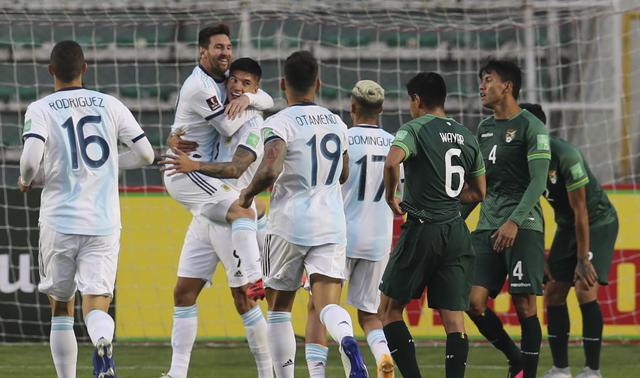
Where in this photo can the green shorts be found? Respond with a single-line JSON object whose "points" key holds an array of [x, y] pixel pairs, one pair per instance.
{"points": [[436, 256], [563, 254], [523, 263]]}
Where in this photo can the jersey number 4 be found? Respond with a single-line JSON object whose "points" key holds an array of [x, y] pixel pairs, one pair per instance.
{"points": [[362, 184], [333, 156], [83, 142]]}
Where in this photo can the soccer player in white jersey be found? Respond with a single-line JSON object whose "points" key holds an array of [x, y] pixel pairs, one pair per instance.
{"points": [[74, 133], [217, 216], [365, 209], [305, 158]]}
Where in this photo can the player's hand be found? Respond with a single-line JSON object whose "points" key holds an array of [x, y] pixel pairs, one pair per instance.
{"points": [[586, 273], [236, 106], [547, 272], [178, 163], [245, 200], [394, 204], [505, 236], [175, 142], [22, 186]]}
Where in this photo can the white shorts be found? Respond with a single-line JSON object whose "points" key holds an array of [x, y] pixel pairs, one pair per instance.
{"points": [[364, 278], [77, 262], [207, 243], [193, 190], [283, 263]]}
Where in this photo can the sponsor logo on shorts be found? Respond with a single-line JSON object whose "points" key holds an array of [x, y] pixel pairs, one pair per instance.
{"points": [[520, 284], [288, 363], [238, 274]]}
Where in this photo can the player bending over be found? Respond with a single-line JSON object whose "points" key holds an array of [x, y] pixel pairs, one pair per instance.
{"points": [[369, 231], [74, 134], [580, 255], [443, 167], [305, 158]]}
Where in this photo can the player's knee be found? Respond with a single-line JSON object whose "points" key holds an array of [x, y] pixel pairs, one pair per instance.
{"points": [[476, 308], [525, 306], [240, 300], [183, 296], [61, 308], [586, 294]]}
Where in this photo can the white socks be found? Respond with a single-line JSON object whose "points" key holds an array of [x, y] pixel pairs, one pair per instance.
{"points": [[378, 343], [255, 327], [337, 321], [245, 242], [64, 348], [316, 355], [185, 329], [262, 231], [282, 343], [99, 325]]}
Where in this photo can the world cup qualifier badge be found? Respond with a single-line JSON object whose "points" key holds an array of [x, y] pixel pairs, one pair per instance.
{"points": [[511, 134], [214, 103]]}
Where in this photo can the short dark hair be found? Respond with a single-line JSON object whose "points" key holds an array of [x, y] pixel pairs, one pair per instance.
{"points": [[536, 110], [247, 65], [507, 71], [205, 34], [301, 71], [430, 87], [67, 60]]}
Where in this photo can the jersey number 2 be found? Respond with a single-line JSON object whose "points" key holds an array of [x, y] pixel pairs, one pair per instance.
{"points": [[85, 142], [333, 156]]}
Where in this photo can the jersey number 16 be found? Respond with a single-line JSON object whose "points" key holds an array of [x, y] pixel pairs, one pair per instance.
{"points": [[83, 142]]}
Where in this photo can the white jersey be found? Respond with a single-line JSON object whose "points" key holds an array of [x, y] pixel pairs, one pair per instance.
{"points": [[249, 137], [306, 204], [81, 129], [369, 218], [200, 100]]}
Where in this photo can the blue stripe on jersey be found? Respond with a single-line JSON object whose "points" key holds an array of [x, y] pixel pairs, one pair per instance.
{"points": [[255, 156], [138, 138], [201, 183], [33, 135], [214, 114], [269, 139]]}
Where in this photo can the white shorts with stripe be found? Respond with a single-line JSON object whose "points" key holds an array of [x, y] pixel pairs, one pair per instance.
{"points": [[364, 278], [208, 243], [193, 190], [283, 263]]}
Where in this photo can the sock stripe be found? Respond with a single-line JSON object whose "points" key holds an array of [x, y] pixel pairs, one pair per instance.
{"points": [[185, 312], [274, 317], [252, 316], [376, 336], [243, 224], [316, 352], [62, 323]]}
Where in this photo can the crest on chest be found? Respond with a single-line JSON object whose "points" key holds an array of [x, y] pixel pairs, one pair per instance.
{"points": [[510, 135]]}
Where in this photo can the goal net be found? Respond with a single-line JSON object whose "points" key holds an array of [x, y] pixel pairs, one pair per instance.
{"points": [[580, 59]]}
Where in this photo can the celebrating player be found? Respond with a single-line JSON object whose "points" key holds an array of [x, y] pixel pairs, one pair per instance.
{"points": [[509, 238], [581, 252], [443, 167], [305, 158], [369, 230], [221, 230], [74, 132]]}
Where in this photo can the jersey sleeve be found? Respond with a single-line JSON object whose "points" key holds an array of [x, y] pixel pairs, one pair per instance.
{"points": [[537, 140], [406, 140], [477, 167], [35, 126], [275, 127], [260, 100], [572, 168], [129, 130], [251, 140], [207, 102]]}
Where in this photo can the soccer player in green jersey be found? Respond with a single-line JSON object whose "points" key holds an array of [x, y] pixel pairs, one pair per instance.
{"points": [[581, 252], [509, 239], [443, 166]]}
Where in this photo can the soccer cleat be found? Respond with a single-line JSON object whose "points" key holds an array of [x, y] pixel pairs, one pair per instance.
{"points": [[385, 367], [256, 290], [165, 375], [352, 360], [515, 371], [587, 372], [556, 372], [103, 364]]}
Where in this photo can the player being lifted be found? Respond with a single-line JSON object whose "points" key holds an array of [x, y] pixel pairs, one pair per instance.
{"points": [[581, 252], [218, 218], [369, 231], [305, 158], [443, 167], [74, 134], [509, 239]]}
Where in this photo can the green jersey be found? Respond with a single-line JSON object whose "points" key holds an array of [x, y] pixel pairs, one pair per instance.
{"points": [[439, 154], [508, 146], [568, 172]]}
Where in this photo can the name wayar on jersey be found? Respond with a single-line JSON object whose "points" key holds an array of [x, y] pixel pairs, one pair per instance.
{"points": [[452, 138], [77, 102], [316, 119]]}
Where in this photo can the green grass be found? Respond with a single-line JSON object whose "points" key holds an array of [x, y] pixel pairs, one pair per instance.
{"points": [[34, 360]]}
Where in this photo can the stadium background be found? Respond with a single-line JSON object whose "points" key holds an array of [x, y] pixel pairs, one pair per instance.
{"points": [[581, 60]]}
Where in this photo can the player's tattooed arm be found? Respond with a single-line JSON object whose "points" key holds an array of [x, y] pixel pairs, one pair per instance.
{"points": [[270, 167], [392, 178], [180, 162]]}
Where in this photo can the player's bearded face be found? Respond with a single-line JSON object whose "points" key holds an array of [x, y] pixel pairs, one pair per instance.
{"points": [[217, 56], [492, 90], [241, 82]]}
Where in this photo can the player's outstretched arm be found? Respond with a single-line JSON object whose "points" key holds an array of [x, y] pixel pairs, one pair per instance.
{"points": [[584, 269], [260, 101], [392, 178], [140, 153], [180, 162], [30, 162], [270, 167]]}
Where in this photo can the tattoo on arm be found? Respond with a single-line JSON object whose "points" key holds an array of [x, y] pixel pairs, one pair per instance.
{"points": [[233, 169], [270, 167]]}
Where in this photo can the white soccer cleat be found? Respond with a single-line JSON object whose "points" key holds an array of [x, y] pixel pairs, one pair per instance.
{"points": [[556, 372], [587, 372]]}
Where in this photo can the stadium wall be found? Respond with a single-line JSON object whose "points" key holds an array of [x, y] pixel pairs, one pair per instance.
{"points": [[151, 244]]}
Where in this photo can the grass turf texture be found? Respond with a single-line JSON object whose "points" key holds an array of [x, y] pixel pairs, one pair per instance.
{"points": [[140, 361]]}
